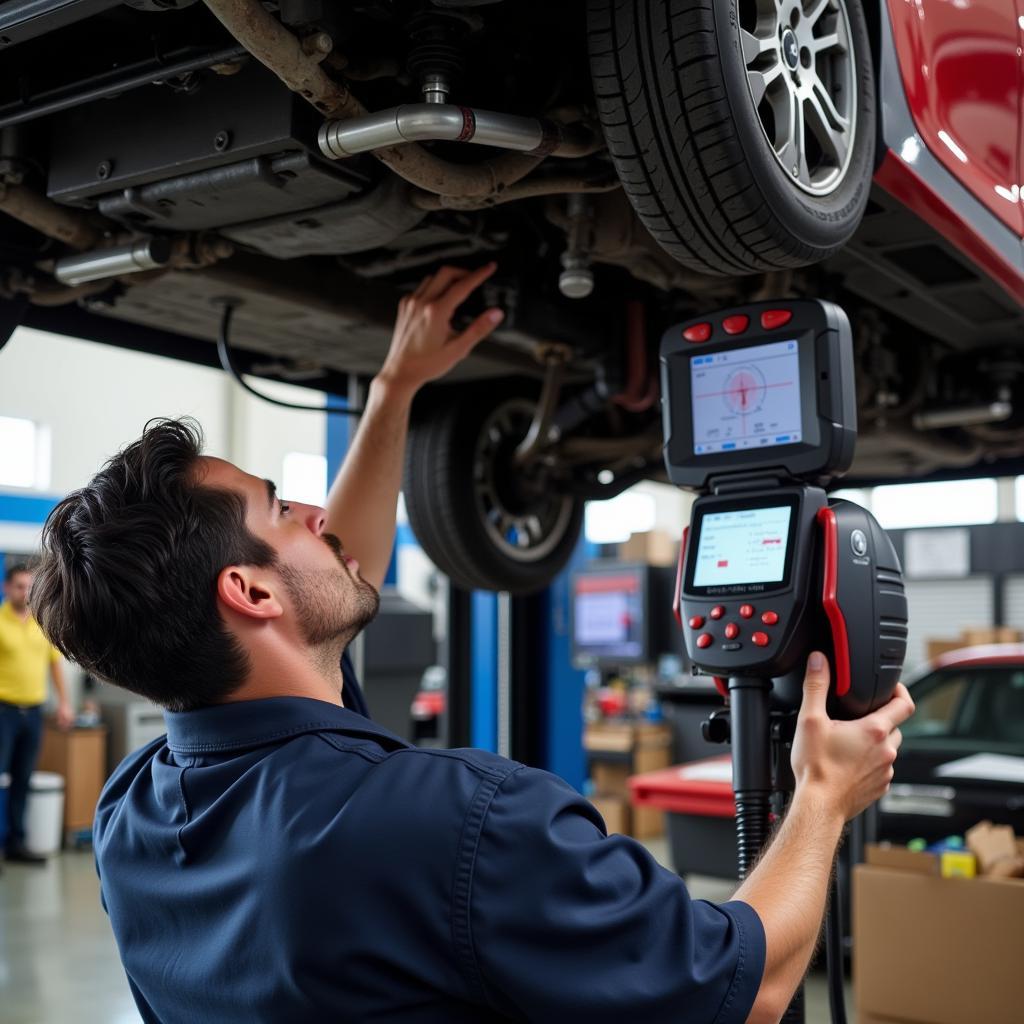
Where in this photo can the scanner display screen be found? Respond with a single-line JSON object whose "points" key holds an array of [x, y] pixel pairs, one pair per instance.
{"points": [[743, 546], [746, 398]]}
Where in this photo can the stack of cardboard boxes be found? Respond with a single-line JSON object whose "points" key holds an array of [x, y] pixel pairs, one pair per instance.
{"points": [[617, 750], [930, 949], [974, 637]]}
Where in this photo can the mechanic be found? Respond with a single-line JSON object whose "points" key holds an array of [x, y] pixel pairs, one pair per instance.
{"points": [[278, 857], [26, 657]]}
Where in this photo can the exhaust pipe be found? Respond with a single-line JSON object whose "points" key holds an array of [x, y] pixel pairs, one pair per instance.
{"points": [[965, 415], [147, 254], [445, 122]]}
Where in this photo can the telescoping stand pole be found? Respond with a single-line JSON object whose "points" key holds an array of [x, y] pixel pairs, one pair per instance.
{"points": [[751, 735]]}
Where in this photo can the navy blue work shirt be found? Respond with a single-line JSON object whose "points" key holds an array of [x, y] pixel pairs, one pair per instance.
{"points": [[288, 861]]}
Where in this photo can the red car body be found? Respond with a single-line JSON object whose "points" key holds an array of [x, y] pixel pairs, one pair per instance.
{"points": [[952, 88]]}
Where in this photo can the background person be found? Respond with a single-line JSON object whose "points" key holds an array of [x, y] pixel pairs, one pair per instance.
{"points": [[26, 658]]}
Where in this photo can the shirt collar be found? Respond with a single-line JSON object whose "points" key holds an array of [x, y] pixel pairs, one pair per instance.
{"points": [[255, 723]]}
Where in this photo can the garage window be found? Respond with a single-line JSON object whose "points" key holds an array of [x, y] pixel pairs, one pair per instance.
{"points": [[24, 454], [950, 503], [304, 478]]}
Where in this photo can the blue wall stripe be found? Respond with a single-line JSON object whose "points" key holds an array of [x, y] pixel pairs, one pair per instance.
{"points": [[562, 747], [483, 718], [338, 431], [25, 508]]}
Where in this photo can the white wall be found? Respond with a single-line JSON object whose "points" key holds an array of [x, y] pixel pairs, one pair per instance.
{"points": [[96, 398]]}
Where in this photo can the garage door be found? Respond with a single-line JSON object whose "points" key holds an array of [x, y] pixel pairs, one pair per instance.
{"points": [[940, 609], [1013, 597]]}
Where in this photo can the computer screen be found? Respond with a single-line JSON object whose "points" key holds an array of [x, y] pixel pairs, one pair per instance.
{"points": [[608, 616], [743, 546], [746, 398]]}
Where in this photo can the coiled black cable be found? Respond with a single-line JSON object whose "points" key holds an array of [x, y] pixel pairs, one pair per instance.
{"points": [[228, 365]]}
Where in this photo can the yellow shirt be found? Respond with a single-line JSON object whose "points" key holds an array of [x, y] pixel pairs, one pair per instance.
{"points": [[25, 657]]}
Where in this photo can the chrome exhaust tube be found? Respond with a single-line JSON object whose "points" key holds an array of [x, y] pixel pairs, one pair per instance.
{"points": [[146, 254], [445, 122]]}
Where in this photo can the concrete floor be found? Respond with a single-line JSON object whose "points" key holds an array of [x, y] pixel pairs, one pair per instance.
{"points": [[58, 962]]}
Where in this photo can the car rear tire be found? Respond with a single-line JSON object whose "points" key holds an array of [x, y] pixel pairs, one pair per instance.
{"points": [[484, 522], [716, 177]]}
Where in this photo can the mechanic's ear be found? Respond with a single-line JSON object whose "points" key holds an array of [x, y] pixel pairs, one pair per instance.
{"points": [[246, 590]]}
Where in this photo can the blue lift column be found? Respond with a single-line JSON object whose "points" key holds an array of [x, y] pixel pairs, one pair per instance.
{"points": [[525, 697]]}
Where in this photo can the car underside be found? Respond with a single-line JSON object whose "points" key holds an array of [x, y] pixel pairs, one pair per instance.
{"points": [[305, 163]]}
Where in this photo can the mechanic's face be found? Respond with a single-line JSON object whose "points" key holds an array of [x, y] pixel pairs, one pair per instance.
{"points": [[330, 600], [16, 591]]}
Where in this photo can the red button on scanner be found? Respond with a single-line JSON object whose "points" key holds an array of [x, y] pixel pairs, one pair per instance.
{"points": [[732, 631], [705, 640], [747, 611], [761, 639], [696, 621], [717, 612], [736, 324], [769, 618], [697, 333], [772, 318]]}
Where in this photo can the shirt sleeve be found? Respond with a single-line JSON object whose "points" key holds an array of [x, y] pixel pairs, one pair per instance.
{"points": [[55, 655], [568, 923]]}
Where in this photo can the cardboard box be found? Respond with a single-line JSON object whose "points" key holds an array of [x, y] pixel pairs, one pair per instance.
{"points": [[973, 637], [611, 778], [630, 748], [648, 823], [990, 635], [623, 737], [652, 547], [616, 813], [932, 950]]}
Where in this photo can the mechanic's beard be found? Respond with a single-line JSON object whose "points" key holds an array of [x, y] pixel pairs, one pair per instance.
{"points": [[332, 606]]}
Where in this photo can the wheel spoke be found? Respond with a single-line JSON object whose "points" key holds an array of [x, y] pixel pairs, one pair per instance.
{"points": [[760, 80], [832, 41], [826, 108], [755, 46], [816, 11], [793, 153], [828, 125]]}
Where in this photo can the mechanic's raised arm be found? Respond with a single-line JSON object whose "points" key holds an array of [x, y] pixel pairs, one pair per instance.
{"points": [[363, 501]]}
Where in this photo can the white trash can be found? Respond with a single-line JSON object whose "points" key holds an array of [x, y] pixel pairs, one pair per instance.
{"points": [[44, 814], [5, 782]]}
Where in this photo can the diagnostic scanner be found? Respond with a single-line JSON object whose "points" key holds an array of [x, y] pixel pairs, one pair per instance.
{"points": [[760, 415]]}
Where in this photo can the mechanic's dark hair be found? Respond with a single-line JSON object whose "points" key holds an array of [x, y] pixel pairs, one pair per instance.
{"points": [[127, 583], [14, 568]]}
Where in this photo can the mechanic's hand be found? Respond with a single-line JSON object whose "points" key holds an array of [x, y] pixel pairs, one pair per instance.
{"points": [[424, 346], [848, 763]]}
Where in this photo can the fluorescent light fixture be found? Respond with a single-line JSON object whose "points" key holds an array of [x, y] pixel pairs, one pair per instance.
{"points": [[947, 503]]}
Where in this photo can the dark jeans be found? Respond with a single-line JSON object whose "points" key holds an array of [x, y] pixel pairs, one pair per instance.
{"points": [[20, 732]]}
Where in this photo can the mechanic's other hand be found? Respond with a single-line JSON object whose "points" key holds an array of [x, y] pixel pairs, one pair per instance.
{"points": [[424, 345], [849, 764]]}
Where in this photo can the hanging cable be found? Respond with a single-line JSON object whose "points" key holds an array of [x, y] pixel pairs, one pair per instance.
{"points": [[228, 365], [834, 950]]}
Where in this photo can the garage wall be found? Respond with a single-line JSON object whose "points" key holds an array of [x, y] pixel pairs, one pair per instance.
{"points": [[95, 398], [941, 608], [1013, 601]]}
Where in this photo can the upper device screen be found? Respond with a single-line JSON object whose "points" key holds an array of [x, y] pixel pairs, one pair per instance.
{"points": [[743, 546], [746, 398]]}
